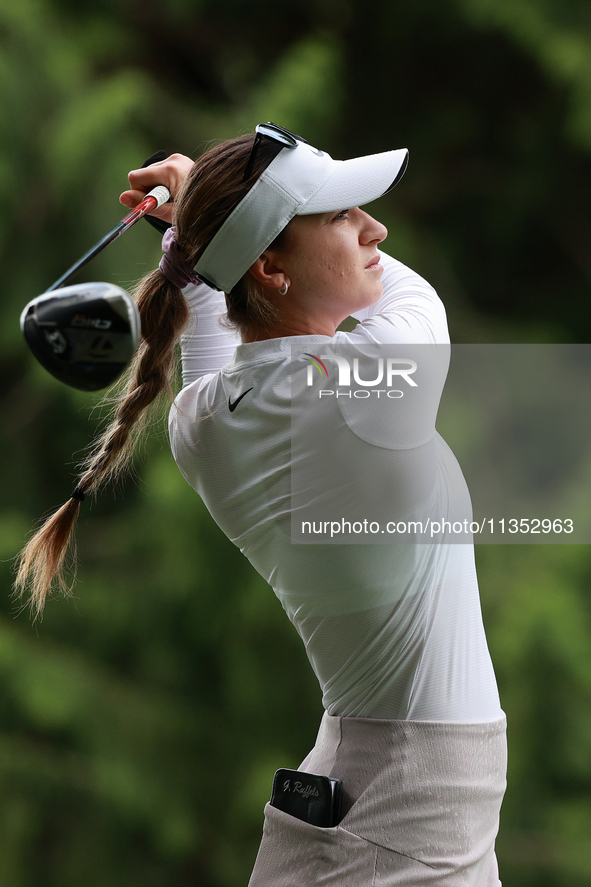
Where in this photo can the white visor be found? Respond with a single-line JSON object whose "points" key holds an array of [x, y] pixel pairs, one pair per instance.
{"points": [[299, 181]]}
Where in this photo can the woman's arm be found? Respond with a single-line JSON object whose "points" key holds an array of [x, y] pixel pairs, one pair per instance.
{"points": [[409, 311], [206, 345]]}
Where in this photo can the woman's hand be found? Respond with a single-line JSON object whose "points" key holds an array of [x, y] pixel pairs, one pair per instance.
{"points": [[170, 172]]}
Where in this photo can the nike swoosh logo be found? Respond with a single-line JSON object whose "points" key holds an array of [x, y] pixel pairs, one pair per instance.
{"points": [[232, 406]]}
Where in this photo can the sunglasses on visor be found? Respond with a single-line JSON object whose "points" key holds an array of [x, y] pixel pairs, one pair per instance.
{"points": [[277, 134]]}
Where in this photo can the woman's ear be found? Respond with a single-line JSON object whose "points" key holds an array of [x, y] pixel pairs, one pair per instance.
{"points": [[265, 270]]}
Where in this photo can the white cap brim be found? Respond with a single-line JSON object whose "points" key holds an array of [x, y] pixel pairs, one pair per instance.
{"points": [[358, 181]]}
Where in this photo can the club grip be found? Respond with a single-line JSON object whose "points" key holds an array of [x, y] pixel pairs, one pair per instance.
{"points": [[160, 225], [161, 194]]}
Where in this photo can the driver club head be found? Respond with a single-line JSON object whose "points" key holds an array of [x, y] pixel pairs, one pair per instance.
{"points": [[84, 335]]}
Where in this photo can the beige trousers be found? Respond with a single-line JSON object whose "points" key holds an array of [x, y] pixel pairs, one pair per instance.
{"points": [[421, 802]]}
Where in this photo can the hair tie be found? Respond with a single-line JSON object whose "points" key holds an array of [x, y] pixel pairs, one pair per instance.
{"points": [[173, 264], [78, 494]]}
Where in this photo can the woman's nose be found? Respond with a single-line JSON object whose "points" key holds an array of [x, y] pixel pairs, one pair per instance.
{"points": [[372, 230]]}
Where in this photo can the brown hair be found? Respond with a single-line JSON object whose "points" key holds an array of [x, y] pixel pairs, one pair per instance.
{"points": [[211, 191]]}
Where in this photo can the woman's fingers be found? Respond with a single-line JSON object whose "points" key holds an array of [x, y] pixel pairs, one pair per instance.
{"points": [[170, 172], [131, 198]]}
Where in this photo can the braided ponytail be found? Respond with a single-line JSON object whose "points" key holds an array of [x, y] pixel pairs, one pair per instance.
{"points": [[164, 314]]}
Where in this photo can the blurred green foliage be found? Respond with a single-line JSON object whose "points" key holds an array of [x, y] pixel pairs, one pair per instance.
{"points": [[141, 722]]}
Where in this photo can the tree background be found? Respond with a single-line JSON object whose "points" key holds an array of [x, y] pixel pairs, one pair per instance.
{"points": [[141, 723]]}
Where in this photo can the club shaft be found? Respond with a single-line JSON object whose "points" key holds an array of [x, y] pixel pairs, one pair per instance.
{"points": [[147, 205]]}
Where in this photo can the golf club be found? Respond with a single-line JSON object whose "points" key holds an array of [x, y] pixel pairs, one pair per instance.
{"points": [[86, 334]]}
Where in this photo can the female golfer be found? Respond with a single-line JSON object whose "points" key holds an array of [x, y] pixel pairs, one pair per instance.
{"points": [[285, 423]]}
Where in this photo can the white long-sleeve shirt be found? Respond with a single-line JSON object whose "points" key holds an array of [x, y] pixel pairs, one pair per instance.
{"points": [[391, 630]]}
